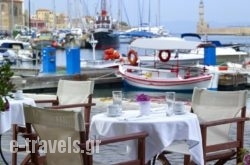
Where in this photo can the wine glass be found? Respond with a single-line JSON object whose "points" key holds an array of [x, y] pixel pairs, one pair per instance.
{"points": [[170, 100], [117, 97]]}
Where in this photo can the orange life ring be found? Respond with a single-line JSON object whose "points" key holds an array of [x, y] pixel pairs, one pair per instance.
{"points": [[132, 60], [168, 55]]}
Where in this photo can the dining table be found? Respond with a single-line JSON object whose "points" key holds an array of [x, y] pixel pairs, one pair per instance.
{"points": [[162, 129], [13, 116]]}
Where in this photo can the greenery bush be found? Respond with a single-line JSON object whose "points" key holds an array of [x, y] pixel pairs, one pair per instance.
{"points": [[6, 84]]}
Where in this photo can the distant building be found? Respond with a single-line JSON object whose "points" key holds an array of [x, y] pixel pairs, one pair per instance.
{"points": [[51, 19], [14, 15], [11, 15]]}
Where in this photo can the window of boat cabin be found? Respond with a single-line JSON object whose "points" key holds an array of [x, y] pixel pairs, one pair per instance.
{"points": [[12, 45]]}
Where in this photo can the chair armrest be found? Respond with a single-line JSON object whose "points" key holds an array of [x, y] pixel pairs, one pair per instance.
{"points": [[46, 101], [42, 98], [104, 141], [72, 105], [132, 136], [223, 121]]}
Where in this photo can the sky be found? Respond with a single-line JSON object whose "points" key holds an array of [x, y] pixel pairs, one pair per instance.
{"points": [[174, 15]]}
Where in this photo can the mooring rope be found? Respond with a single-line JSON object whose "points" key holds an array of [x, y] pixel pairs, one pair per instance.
{"points": [[96, 78]]}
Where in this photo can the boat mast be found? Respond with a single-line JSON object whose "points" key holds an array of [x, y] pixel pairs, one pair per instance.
{"points": [[149, 15], [54, 15], [68, 12], [12, 18], [103, 8], [29, 16], [159, 13]]}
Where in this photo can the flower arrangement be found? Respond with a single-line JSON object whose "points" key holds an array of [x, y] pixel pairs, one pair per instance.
{"points": [[144, 103], [142, 97], [244, 156]]}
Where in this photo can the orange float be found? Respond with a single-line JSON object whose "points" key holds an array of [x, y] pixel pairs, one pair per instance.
{"points": [[111, 54]]}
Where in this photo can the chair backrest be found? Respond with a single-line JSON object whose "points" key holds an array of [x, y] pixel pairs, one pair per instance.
{"points": [[74, 92], [215, 105], [55, 128]]}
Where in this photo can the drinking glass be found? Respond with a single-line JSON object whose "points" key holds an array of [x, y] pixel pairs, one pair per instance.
{"points": [[170, 100], [117, 97]]}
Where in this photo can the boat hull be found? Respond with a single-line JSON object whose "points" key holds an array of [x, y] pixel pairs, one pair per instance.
{"points": [[165, 83], [105, 40]]}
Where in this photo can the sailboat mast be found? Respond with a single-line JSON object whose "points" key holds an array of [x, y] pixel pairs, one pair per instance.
{"points": [[159, 12], [149, 15], [54, 14], [68, 12], [104, 7], [12, 17]]}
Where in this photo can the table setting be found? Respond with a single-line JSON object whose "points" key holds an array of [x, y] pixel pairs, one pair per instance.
{"points": [[164, 124]]}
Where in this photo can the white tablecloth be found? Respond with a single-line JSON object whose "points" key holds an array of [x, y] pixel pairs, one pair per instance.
{"points": [[162, 130], [15, 114]]}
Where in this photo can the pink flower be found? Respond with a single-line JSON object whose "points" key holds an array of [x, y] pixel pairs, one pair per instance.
{"points": [[246, 159], [142, 97]]}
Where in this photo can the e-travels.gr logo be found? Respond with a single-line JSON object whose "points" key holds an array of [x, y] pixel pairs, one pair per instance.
{"points": [[58, 146]]}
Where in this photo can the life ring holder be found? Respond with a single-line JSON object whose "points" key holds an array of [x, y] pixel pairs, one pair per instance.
{"points": [[132, 57], [168, 55]]}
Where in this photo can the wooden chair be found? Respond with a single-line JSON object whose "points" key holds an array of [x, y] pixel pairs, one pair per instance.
{"points": [[217, 112], [72, 95], [69, 127]]}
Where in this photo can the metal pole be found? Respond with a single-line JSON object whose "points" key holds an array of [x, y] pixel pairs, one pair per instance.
{"points": [[29, 16], [12, 18], [93, 42], [1, 21]]}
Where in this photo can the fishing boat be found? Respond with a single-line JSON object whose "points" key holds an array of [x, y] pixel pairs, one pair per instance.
{"points": [[171, 76], [178, 79], [103, 31], [44, 39]]}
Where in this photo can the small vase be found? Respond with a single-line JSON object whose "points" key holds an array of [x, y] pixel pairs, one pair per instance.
{"points": [[144, 107]]}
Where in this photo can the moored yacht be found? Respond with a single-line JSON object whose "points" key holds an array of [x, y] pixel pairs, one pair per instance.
{"points": [[13, 51]]}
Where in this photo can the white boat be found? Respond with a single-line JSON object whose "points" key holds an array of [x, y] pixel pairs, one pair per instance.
{"points": [[13, 51], [224, 52], [185, 56], [164, 79], [172, 76]]}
